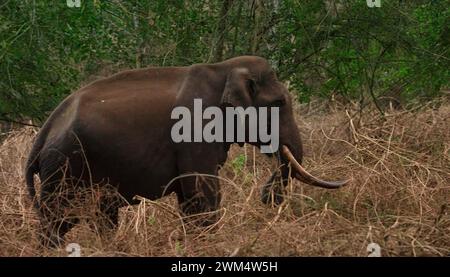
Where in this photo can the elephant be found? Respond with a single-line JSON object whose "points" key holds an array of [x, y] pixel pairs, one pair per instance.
{"points": [[117, 131]]}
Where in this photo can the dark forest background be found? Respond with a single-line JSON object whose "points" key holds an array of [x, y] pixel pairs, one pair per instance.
{"points": [[322, 48]]}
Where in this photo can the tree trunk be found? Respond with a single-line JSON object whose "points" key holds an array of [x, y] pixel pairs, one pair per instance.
{"points": [[222, 26]]}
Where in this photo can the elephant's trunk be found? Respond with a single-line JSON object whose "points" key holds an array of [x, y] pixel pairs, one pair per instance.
{"points": [[301, 174]]}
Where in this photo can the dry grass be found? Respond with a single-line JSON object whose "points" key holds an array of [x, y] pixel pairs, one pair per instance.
{"points": [[398, 198]]}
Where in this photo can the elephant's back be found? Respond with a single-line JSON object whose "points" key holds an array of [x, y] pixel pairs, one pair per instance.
{"points": [[131, 94], [149, 82]]}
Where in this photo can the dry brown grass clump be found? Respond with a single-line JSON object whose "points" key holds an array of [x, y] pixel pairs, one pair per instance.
{"points": [[400, 166]]}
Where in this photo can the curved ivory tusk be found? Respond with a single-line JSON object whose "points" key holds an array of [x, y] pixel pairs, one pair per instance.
{"points": [[304, 176]]}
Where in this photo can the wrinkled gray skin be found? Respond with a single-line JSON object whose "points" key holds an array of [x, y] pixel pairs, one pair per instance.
{"points": [[117, 131]]}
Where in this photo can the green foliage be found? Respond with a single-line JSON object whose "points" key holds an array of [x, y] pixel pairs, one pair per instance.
{"points": [[179, 249], [238, 163], [322, 47], [151, 220]]}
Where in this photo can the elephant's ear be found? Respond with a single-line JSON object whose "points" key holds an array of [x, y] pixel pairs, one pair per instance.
{"points": [[240, 88]]}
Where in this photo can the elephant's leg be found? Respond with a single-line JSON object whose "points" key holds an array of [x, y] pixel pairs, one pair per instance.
{"points": [[199, 192], [54, 228], [108, 216], [200, 196], [56, 218], [56, 199]]}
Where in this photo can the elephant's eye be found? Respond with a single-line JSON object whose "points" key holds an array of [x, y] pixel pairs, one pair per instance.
{"points": [[278, 103]]}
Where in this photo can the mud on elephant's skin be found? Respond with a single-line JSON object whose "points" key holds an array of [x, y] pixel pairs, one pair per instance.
{"points": [[120, 128]]}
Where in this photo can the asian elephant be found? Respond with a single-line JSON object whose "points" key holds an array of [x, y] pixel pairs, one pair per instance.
{"points": [[117, 131]]}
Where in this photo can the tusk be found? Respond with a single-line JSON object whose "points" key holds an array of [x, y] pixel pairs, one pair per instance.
{"points": [[305, 176]]}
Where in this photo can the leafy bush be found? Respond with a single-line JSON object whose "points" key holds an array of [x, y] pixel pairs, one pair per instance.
{"points": [[323, 48]]}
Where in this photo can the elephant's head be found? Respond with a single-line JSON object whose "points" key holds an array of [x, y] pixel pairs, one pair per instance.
{"points": [[250, 82]]}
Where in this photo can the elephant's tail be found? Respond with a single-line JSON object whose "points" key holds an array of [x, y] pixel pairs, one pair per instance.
{"points": [[32, 166], [31, 169]]}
